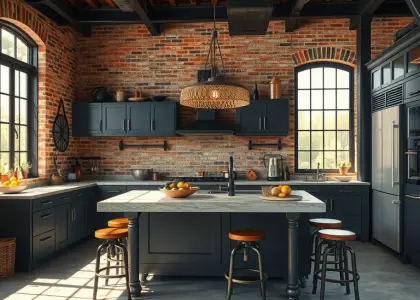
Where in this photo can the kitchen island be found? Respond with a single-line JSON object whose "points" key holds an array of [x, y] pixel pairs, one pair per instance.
{"points": [[134, 203]]}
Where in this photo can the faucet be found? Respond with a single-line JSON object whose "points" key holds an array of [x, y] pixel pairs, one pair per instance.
{"points": [[231, 183], [318, 174]]}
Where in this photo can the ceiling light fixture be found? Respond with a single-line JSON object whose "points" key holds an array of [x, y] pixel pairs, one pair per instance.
{"points": [[217, 92]]}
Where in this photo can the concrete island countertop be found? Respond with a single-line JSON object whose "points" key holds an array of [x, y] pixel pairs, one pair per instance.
{"points": [[43, 191], [156, 201]]}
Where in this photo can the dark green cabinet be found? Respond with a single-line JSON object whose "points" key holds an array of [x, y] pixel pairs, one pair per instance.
{"points": [[62, 226], [125, 119], [87, 119], [411, 228], [263, 118], [78, 224], [105, 192]]}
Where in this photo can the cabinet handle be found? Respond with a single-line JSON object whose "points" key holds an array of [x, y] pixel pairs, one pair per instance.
{"points": [[46, 202], [46, 216], [80, 195], [395, 201], [100, 125], [331, 204], [45, 239], [153, 125], [346, 191], [413, 197], [129, 124], [114, 191], [123, 125], [74, 214], [265, 123], [393, 182], [414, 93], [260, 123]]}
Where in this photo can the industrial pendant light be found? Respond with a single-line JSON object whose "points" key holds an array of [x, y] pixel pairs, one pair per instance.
{"points": [[217, 92]]}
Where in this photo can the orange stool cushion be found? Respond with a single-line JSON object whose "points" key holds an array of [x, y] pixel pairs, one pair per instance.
{"points": [[118, 223], [247, 235], [111, 233]]}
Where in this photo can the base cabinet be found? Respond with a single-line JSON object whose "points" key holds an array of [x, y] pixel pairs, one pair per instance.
{"points": [[62, 226], [411, 228]]}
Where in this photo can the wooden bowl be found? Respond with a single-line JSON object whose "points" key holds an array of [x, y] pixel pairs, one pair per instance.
{"points": [[13, 189], [343, 178], [180, 193]]}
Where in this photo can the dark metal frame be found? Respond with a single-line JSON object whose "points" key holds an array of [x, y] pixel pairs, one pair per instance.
{"points": [[351, 114], [31, 70]]}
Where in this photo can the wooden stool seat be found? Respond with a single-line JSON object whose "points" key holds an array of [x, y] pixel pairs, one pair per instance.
{"points": [[323, 223], [118, 223], [111, 233], [337, 235], [247, 235]]}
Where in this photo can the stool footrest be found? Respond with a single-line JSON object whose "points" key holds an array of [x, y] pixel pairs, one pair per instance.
{"points": [[242, 281], [110, 276], [355, 276]]}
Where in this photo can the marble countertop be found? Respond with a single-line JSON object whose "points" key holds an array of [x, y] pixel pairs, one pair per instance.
{"points": [[156, 201], [43, 191]]}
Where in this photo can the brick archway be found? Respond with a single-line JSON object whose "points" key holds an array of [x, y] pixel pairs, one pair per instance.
{"points": [[341, 55]]}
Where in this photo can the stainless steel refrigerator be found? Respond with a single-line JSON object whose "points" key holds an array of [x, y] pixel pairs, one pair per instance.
{"points": [[385, 177]]}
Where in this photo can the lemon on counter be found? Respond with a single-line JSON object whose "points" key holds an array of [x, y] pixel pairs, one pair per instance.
{"points": [[13, 179], [285, 189], [180, 185], [14, 183], [6, 183], [275, 191]]}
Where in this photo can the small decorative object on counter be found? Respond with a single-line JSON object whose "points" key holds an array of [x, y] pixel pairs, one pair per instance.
{"points": [[255, 93], [4, 176], [155, 176], [120, 95], [25, 167], [278, 193], [178, 189], [7, 256], [12, 186], [251, 174], [287, 174], [343, 178], [275, 86], [77, 169], [137, 95], [343, 167]]}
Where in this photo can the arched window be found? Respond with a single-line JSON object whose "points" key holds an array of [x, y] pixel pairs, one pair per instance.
{"points": [[18, 115], [324, 122]]}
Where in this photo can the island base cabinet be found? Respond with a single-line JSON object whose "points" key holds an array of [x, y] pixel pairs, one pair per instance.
{"points": [[411, 230]]}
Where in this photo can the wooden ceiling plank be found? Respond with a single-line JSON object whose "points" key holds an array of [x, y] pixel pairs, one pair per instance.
{"points": [[193, 2], [91, 3], [111, 3], [292, 23], [172, 2], [213, 2]]}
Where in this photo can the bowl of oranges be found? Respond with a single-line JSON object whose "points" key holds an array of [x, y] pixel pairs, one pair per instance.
{"points": [[12, 186], [178, 189], [280, 192]]}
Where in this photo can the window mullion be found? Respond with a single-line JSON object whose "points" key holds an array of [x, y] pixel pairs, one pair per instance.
{"points": [[12, 115]]}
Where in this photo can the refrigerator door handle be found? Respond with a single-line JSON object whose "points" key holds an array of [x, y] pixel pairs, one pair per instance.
{"points": [[393, 182], [413, 197]]}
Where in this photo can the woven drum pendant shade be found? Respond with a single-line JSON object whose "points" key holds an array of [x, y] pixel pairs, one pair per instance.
{"points": [[215, 94]]}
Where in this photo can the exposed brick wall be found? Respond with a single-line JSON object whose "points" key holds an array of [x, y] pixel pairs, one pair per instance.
{"points": [[128, 57], [57, 49]]}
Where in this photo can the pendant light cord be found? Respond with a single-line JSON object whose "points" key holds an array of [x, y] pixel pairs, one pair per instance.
{"points": [[214, 46]]}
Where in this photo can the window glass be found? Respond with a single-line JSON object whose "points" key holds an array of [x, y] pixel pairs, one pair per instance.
{"points": [[323, 109], [22, 51], [398, 67], [7, 43]]}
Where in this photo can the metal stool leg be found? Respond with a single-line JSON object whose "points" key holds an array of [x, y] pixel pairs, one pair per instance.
{"points": [[346, 268], [354, 270], [341, 263], [98, 261], [324, 270], [312, 243], [318, 247], [108, 263], [261, 269], [231, 265]]}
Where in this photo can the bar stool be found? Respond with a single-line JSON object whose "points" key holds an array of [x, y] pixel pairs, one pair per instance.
{"points": [[112, 237], [337, 242], [319, 224], [118, 223], [247, 239]]}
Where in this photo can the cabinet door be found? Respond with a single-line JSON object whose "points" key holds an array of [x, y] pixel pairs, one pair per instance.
{"points": [[78, 217], [249, 119], [390, 150], [347, 209], [411, 228], [163, 119], [377, 151], [114, 119], [276, 118], [62, 226], [106, 192], [377, 215], [391, 221], [138, 119], [87, 119]]}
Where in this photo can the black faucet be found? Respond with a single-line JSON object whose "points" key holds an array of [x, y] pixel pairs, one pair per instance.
{"points": [[231, 183]]}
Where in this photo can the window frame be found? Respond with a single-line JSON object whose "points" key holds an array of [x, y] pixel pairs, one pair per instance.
{"points": [[32, 97], [351, 150]]}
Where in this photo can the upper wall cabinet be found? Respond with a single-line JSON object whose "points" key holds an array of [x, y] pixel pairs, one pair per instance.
{"points": [[263, 118], [124, 119]]}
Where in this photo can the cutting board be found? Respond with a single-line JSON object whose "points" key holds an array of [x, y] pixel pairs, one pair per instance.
{"points": [[288, 198]]}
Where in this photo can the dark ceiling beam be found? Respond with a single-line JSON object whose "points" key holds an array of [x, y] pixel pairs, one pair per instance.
{"points": [[65, 10], [414, 6], [138, 8], [291, 24], [368, 7], [91, 3]]}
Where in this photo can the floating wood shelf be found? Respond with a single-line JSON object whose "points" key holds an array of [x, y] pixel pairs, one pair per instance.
{"points": [[252, 145], [164, 145]]}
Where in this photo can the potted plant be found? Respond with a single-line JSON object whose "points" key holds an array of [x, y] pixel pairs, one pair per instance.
{"points": [[25, 167], [343, 167], [3, 173]]}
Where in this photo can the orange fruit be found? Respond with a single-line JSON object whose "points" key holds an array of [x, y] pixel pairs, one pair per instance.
{"points": [[172, 186], [6, 183], [282, 195], [285, 189], [186, 186], [13, 179], [13, 184], [275, 191]]}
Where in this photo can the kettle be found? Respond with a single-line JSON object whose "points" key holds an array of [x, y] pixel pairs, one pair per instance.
{"points": [[99, 94], [274, 168]]}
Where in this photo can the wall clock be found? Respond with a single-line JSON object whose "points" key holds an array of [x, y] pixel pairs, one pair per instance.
{"points": [[60, 130]]}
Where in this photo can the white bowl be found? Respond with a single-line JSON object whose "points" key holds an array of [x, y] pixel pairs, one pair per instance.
{"points": [[343, 178], [13, 189]]}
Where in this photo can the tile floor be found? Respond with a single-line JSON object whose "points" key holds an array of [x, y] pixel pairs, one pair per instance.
{"points": [[70, 276]]}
